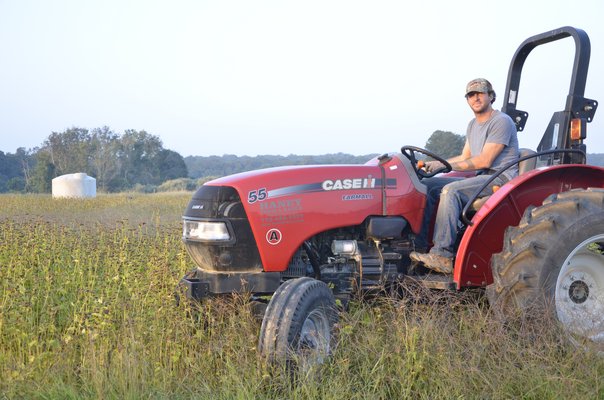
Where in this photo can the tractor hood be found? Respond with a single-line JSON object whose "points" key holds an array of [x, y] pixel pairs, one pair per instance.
{"points": [[297, 180], [285, 206]]}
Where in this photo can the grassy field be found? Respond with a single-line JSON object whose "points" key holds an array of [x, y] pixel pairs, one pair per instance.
{"points": [[87, 311]]}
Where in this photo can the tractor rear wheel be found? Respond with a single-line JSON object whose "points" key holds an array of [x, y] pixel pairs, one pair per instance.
{"points": [[298, 326], [553, 262]]}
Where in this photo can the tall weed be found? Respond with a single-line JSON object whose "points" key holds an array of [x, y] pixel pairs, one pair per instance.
{"points": [[87, 311]]}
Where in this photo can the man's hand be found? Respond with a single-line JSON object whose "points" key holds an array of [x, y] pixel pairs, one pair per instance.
{"points": [[431, 166]]}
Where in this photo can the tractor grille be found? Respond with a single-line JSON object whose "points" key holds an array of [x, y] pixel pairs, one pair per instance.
{"points": [[222, 203]]}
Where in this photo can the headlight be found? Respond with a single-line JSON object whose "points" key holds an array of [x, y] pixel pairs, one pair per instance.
{"points": [[205, 230], [344, 247]]}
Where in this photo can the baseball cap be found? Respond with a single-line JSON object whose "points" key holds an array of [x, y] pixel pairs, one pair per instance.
{"points": [[479, 85]]}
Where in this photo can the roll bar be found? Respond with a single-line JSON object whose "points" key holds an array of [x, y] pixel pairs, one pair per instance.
{"points": [[575, 103]]}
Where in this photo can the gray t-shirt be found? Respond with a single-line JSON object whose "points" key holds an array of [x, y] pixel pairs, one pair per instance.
{"points": [[498, 129]]}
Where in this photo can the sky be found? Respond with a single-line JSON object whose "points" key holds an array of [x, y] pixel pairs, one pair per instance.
{"points": [[281, 77]]}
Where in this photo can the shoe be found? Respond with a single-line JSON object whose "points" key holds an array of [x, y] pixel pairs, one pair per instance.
{"points": [[432, 261]]}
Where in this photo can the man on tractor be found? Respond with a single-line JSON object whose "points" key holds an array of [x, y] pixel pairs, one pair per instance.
{"points": [[491, 142]]}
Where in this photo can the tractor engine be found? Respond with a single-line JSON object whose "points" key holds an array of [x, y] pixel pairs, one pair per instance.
{"points": [[349, 262]]}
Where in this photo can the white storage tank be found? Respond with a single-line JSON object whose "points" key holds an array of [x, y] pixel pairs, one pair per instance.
{"points": [[78, 185]]}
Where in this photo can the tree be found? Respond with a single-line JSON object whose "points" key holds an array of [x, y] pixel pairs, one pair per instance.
{"points": [[25, 160], [16, 184], [171, 165], [445, 144], [69, 151], [43, 173], [138, 150], [14, 170], [105, 165]]}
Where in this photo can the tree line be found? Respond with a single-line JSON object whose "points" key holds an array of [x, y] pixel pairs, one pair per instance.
{"points": [[217, 166], [136, 160], [118, 162], [444, 143]]}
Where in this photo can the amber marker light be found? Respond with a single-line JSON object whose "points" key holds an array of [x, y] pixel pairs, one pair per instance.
{"points": [[576, 129]]}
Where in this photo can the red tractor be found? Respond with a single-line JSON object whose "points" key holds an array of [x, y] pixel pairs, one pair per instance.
{"points": [[296, 239]]}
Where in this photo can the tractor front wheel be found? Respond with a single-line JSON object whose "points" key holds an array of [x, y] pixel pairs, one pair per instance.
{"points": [[298, 326], [553, 262]]}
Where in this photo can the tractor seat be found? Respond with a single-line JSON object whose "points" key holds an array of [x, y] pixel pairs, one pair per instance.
{"points": [[527, 165], [523, 166]]}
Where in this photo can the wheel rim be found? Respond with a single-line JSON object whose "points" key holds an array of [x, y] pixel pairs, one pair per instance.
{"points": [[579, 294], [315, 338]]}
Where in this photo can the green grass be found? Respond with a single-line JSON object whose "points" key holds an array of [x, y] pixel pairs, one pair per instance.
{"points": [[87, 311]]}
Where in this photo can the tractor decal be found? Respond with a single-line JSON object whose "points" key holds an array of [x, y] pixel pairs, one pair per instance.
{"points": [[328, 185], [357, 196], [346, 184], [281, 212], [274, 236], [297, 189]]}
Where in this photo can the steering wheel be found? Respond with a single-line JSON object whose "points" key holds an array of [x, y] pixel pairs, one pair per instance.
{"points": [[410, 151]]}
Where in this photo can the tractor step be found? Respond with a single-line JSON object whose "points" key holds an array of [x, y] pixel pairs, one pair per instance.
{"points": [[433, 280]]}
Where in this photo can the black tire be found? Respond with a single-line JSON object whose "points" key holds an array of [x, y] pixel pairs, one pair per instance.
{"points": [[552, 264], [298, 326]]}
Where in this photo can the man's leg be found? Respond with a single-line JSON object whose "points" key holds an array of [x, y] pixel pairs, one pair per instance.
{"points": [[454, 197], [434, 187]]}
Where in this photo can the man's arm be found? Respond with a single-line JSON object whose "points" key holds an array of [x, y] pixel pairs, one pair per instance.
{"points": [[465, 154], [434, 165], [484, 160]]}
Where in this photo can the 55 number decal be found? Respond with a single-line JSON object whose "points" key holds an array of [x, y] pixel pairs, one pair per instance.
{"points": [[256, 195]]}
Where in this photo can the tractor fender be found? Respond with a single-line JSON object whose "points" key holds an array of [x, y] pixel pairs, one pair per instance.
{"points": [[484, 237]]}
